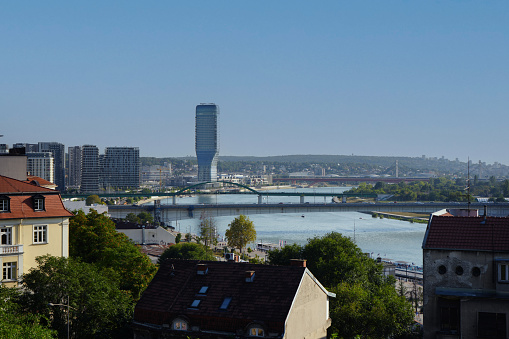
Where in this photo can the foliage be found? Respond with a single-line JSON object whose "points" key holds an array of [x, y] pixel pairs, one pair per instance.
{"points": [[131, 217], [366, 303], [187, 251], [145, 217], [178, 238], [93, 239], [97, 307], [15, 322], [241, 231], [208, 230], [93, 199]]}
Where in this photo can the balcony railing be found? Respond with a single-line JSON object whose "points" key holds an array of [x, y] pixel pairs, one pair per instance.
{"points": [[11, 249]]}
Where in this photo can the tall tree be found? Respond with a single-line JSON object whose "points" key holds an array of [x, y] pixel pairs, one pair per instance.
{"points": [[241, 231], [208, 230], [97, 307], [93, 239]]}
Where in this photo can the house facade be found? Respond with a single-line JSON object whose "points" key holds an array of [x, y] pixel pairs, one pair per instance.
{"points": [[33, 222], [207, 299], [466, 277]]}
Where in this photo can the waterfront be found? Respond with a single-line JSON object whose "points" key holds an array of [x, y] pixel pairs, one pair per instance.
{"points": [[392, 239]]}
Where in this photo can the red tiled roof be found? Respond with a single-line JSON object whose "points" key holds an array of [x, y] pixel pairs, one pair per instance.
{"points": [[267, 299], [468, 233], [42, 182], [21, 194]]}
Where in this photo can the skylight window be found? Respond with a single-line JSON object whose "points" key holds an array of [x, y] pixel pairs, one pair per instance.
{"points": [[226, 303], [195, 303], [203, 290]]}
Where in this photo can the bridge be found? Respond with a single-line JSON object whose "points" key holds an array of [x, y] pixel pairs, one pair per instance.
{"points": [[313, 180], [170, 213]]}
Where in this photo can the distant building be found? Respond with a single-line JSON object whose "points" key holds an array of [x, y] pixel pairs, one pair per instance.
{"points": [[89, 169], [28, 147], [74, 162], [4, 148], [212, 299], [14, 164], [33, 222], [121, 167], [145, 234], [466, 277], [41, 164], [207, 141], [58, 151]]}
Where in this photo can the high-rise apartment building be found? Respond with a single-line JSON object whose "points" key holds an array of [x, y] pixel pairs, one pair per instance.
{"points": [[41, 164], [121, 167], [58, 151], [74, 167], [28, 147], [207, 141], [89, 168]]}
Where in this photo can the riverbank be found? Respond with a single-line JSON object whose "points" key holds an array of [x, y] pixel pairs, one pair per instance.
{"points": [[411, 217]]}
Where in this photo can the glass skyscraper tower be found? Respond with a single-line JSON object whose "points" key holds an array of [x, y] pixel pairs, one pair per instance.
{"points": [[207, 141]]}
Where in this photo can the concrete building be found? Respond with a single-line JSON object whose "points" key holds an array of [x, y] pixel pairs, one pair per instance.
{"points": [[14, 164], [33, 222], [145, 234], [212, 299], [74, 167], [207, 141], [89, 169], [58, 151], [121, 167], [41, 164], [466, 277]]}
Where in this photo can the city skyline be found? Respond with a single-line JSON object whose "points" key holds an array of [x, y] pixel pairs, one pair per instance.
{"points": [[375, 79]]}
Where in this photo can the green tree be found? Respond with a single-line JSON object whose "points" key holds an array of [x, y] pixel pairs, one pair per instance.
{"points": [[189, 251], [131, 217], [98, 307], [178, 238], [145, 217], [93, 199], [366, 303], [93, 239], [208, 230], [241, 231], [16, 322]]}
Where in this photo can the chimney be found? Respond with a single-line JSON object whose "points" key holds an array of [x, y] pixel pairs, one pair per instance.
{"points": [[250, 276], [202, 269], [298, 262]]}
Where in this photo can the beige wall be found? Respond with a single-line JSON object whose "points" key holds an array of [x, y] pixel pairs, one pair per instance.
{"points": [[309, 315], [22, 234]]}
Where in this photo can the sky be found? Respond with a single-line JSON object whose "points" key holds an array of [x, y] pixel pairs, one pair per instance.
{"points": [[376, 78]]}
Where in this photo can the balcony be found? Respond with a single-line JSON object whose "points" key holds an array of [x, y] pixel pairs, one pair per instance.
{"points": [[11, 249]]}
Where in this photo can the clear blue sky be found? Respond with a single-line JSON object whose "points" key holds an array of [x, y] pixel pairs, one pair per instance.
{"points": [[389, 78]]}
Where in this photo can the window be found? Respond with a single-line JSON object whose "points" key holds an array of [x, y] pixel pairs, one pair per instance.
{"points": [[9, 271], [6, 236], [203, 290], [40, 234], [4, 204], [503, 272], [195, 303], [449, 319], [225, 303], [256, 332], [39, 203], [491, 325], [179, 325]]}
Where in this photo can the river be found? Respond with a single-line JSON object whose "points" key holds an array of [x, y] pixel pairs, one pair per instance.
{"points": [[392, 239]]}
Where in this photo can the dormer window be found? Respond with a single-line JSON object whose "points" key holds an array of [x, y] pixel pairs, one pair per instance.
{"points": [[256, 332], [179, 325], [38, 203], [4, 204]]}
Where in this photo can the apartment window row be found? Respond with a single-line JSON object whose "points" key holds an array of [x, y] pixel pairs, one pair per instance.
{"points": [[40, 235]]}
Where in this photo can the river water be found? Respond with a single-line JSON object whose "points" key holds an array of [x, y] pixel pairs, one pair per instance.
{"points": [[391, 239]]}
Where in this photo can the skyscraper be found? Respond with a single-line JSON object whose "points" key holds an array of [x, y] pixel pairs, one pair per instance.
{"points": [[58, 151], [74, 167], [121, 167], [89, 168], [207, 141]]}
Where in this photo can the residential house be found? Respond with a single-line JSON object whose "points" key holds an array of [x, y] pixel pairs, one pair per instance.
{"points": [[33, 222], [208, 299], [466, 277]]}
